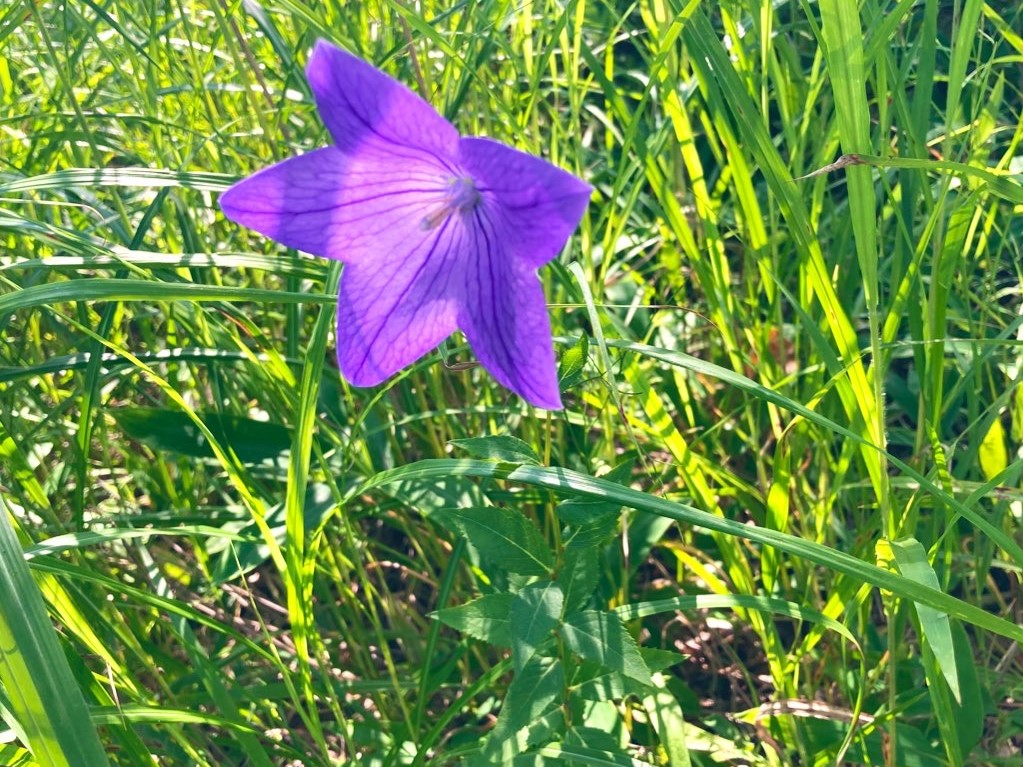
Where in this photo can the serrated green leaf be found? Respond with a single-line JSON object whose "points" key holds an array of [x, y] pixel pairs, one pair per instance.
{"points": [[592, 681], [589, 511], [573, 360], [506, 449], [602, 638], [486, 618], [503, 537], [594, 533], [576, 511], [657, 659], [580, 569], [535, 690], [534, 615], [580, 755], [578, 576]]}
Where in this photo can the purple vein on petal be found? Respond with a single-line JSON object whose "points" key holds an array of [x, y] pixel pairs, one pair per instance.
{"points": [[395, 119], [495, 328], [395, 198], [410, 285]]}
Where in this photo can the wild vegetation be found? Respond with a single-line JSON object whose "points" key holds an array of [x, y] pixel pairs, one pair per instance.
{"points": [[776, 523]]}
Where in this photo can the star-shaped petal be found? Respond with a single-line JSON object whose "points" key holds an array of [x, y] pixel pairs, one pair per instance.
{"points": [[437, 232]]}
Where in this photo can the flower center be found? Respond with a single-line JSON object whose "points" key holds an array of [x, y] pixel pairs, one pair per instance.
{"points": [[461, 197]]}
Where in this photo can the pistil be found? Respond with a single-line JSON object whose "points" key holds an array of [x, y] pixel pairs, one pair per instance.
{"points": [[462, 197]]}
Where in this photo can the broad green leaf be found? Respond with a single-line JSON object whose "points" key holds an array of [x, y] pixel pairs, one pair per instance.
{"points": [[506, 449], [486, 618], [580, 755], [574, 483], [593, 681], [596, 734], [534, 615], [993, 456], [579, 575], [535, 690], [578, 511], [42, 691], [657, 659], [503, 537], [593, 534], [583, 552], [161, 429], [573, 360], [601, 638], [588, 511], [912, 562]]}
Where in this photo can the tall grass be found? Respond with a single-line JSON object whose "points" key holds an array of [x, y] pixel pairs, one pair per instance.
{"points": [[793, 394]]}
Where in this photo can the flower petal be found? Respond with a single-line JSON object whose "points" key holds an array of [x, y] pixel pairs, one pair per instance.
{"points": [[504, 317], [538, 205], [365, 110], [390, 314], [347, 208]]}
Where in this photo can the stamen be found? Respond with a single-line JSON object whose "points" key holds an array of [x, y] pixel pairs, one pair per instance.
{"points": [[462, 197]]}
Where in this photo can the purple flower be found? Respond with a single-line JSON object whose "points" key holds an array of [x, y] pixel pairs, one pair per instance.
{"points": [[437, 232]]}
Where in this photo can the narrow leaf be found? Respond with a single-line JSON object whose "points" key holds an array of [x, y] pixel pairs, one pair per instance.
{"points": [[912, 562], [44, 695]]}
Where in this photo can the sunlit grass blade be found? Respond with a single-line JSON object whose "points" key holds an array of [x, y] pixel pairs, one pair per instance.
{"points": [[42, 691], [101, 289]]}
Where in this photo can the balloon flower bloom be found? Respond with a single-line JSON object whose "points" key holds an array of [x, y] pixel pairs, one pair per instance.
{"points": [[437, 232]]}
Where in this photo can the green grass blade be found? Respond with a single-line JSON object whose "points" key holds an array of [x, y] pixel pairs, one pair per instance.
{"points": [[43, 693], [142, 290]]}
